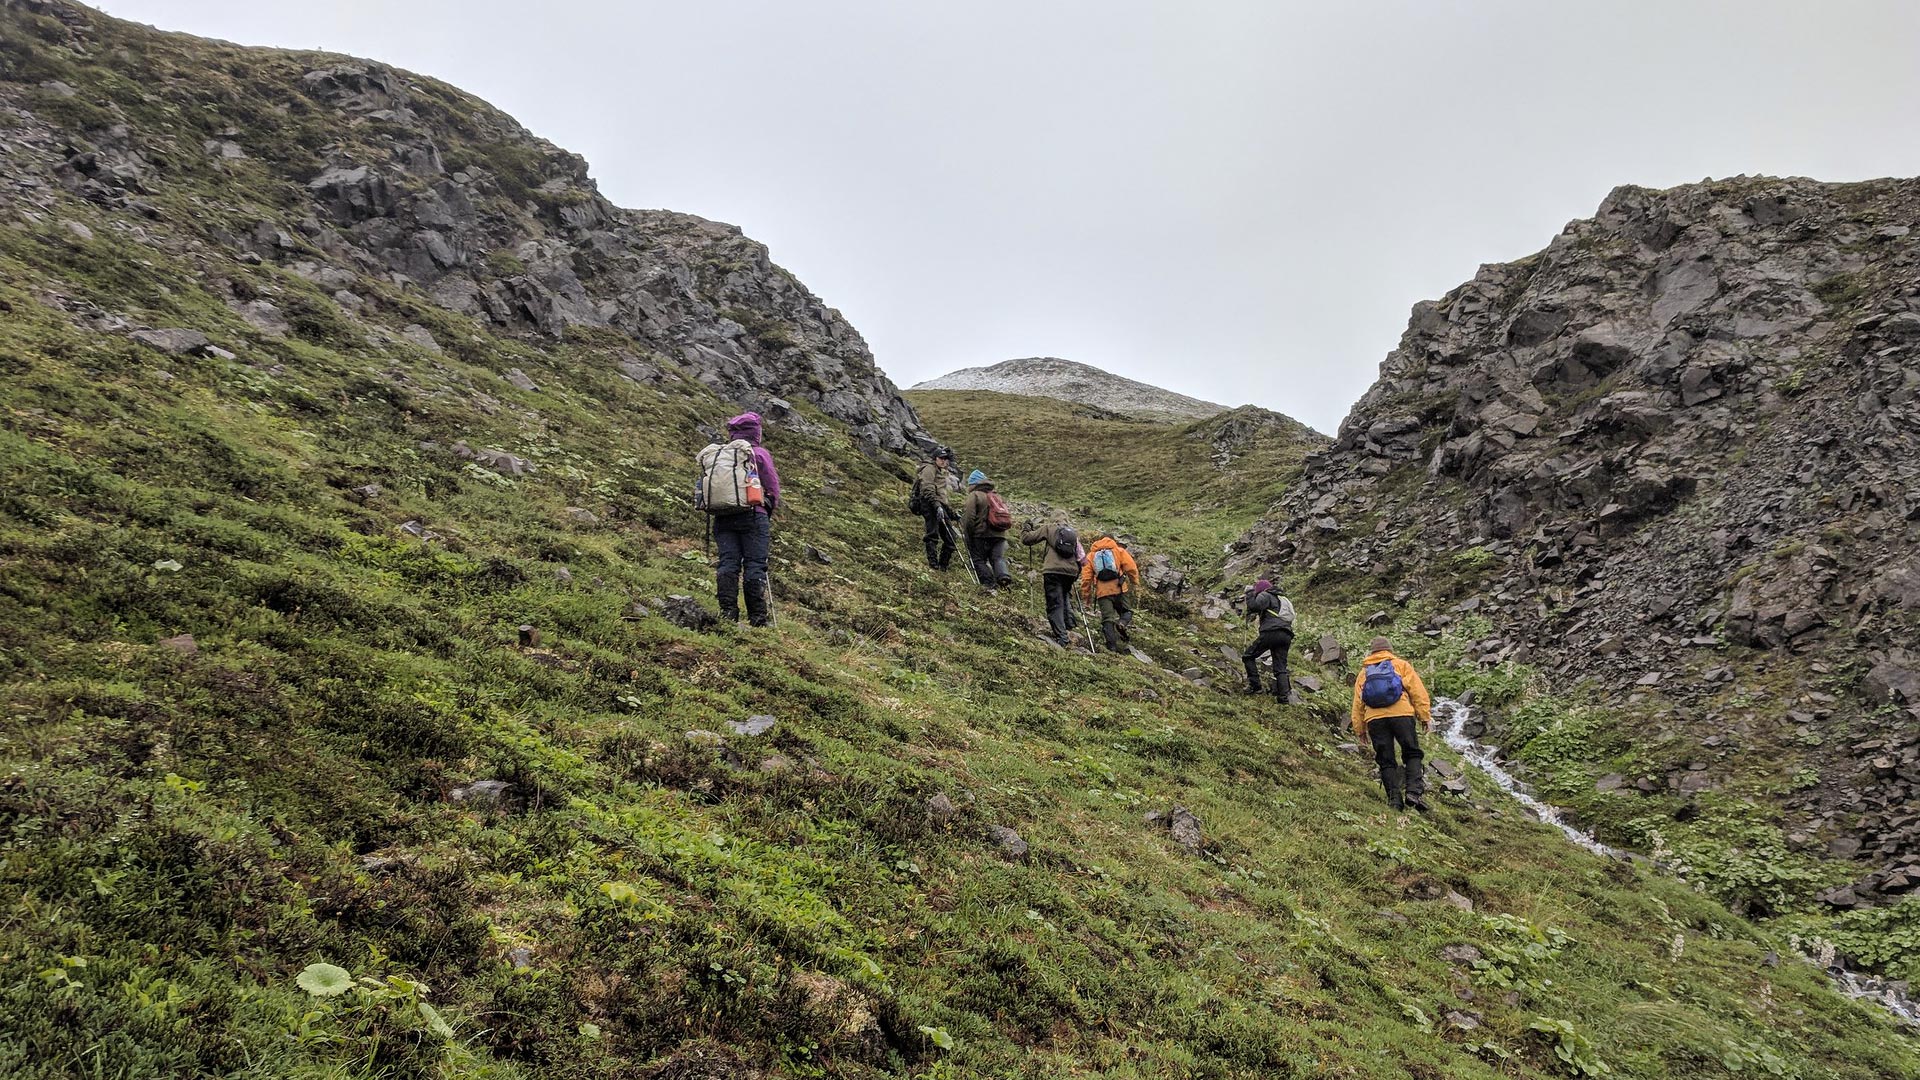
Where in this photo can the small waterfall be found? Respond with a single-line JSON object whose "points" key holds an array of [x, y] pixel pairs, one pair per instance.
{"points": [[1451, 718]]}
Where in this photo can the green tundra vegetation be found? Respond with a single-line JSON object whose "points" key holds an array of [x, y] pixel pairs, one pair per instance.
{"points": [[287, 794]]}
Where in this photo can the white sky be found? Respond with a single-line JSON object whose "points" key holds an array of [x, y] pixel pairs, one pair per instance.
{"points": [[1235, 199]]}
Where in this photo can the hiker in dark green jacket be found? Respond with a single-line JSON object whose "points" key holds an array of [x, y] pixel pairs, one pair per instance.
{"points": [[1058, 571], [930, 496]]}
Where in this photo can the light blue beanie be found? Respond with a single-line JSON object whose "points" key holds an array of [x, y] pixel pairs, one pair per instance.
{"points": [[976, 477]]}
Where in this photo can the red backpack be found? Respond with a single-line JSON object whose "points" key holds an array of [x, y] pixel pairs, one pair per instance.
{"points": [[999, 514]]}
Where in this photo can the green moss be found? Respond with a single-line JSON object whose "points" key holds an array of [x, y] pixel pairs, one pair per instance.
{"points": [[187, 831]]}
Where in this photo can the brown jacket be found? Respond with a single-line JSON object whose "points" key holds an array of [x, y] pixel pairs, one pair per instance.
{"points": [[1413, 701], [1128, 581], [1055, 563], [973, 515], [931, 484]]}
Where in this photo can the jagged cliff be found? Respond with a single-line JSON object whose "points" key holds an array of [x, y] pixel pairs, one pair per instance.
{"points": [[1674, 455], [1084, 384], [387, 189]]}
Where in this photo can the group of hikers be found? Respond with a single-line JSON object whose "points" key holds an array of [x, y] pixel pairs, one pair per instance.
{"points": [[1105, 573], [739, 488]]}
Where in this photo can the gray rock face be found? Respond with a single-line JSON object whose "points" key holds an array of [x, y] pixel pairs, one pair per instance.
{"points": [[1050, 377], [516, 235], [1689, 422]]}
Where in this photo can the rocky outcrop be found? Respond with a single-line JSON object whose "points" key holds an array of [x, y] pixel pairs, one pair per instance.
{"points": [[1065, 380], [355, 174], [1676, 452]]}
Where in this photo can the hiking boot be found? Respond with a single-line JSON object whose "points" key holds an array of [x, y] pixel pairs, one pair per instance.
{"points": [[1415, 802], [1282, 696], [1391, 780], [758, 612], [1252, 691]]}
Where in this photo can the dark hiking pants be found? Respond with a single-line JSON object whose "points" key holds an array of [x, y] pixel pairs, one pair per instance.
{"points": [[1059, 602], [1277, 642], [990, 559], [743, 541], [1408, 775], [938, 539], [1116, 616]]}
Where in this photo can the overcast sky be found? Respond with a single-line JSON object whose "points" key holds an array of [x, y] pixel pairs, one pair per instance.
{"points": [[1236, 199]]}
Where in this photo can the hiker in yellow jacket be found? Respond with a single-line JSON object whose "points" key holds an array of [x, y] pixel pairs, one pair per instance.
{"points": [[1106, 580], [1388, 698]]}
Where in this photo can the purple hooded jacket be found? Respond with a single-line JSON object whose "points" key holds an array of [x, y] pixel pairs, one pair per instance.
{"points": [[747, 426]]}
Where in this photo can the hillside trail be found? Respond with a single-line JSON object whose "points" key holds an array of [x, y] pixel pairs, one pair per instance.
{"points": [[1895, 996]]}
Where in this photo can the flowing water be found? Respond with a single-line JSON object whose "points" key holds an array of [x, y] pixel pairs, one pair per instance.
{"points": [[1451, 718]]}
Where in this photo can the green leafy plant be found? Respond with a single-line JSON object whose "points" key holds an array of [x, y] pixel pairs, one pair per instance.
{"points": [[1573, 1050]]}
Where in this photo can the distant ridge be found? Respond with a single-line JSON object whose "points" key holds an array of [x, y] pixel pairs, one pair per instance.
{"points": [[1047, 376]]}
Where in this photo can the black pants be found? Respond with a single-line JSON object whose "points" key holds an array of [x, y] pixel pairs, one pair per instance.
{"points": [[938, 539], [1278, 642], [1385, 733], [1060, 603], [989, 559], [743, 541]]}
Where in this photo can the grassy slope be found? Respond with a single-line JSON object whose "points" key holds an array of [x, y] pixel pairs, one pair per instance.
{"points": [[183, 834], [1156, 481], [195, 830]]}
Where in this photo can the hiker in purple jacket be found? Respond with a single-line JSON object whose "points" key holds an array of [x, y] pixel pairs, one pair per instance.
{"points": [[743, 539]]}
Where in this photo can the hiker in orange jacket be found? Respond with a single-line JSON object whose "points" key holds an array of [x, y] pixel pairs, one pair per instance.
{"points": [[1388, 698], [1106, 581]]}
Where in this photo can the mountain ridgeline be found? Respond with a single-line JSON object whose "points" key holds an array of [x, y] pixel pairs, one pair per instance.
{"points": [[1066, 380], [362, 715], [1672, 464]]}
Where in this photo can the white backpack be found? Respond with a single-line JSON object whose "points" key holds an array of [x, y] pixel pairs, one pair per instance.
{"points": [[729, 480]]}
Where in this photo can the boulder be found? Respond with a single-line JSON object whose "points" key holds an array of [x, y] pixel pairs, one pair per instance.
{"points": [[687, 613], [173, 342], [752, 725], [1007, 841]]}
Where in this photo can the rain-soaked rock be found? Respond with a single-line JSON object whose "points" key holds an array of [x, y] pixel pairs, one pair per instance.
{"points": [[184, 644], [752, 725], [482, 793], [687, 613], [1185, 828], [1008, 841]]}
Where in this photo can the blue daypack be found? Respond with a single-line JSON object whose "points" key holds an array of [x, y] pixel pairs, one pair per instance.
{"points": [[1382, 686], [1104, 566]]}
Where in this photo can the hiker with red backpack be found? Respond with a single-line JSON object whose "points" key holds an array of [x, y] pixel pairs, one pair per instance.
{"points": [[1388, 698], [1108, 578], [985, 519], [740, 489], [1057, 573]]}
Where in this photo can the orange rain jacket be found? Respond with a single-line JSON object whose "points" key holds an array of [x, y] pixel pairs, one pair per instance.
{"points": [[1413, 701], [1129, 579]]}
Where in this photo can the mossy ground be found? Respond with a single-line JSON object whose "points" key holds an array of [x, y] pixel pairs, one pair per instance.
{"points": [[184, 834], [186, 831]]}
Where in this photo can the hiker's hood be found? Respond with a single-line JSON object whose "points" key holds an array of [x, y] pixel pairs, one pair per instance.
{"points": [[1105, 542], [745, 426], [1378, 655], [1263, 585], [976, 477]]}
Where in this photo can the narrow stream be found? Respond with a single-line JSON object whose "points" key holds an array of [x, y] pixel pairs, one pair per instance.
{"points": [[1451, 718]]}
